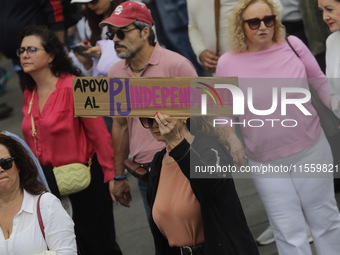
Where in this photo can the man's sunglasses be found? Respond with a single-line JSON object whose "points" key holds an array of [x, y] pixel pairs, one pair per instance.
{"points": [[255, 23], [120, 33], [147, 122], [6, 163]]}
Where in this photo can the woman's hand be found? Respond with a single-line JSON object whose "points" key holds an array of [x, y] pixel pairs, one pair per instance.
{"points": [[94, 52], [237, 150], [236, 146], [87, 62], [168, 129], [82, 55]]}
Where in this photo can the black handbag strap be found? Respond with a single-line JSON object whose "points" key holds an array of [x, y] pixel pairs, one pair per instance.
{"points": [[290, 45]]}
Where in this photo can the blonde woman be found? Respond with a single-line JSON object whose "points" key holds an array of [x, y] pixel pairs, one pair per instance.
{"points": [[263, 60]]}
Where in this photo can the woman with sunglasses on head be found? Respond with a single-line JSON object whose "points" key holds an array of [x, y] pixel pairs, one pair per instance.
{"points": [[19, 194], [100, 54], [264, 62], [58, 138], [331, 16], [194, 215]]}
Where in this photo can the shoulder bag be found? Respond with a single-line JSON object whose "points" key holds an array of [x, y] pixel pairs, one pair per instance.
{"points": [[70, 178]]}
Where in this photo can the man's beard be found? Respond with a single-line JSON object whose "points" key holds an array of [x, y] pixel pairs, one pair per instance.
{"points": [[128, 54]]}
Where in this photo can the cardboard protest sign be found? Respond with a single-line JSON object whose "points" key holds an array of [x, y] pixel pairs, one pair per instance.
{"points": [[141, 97]]}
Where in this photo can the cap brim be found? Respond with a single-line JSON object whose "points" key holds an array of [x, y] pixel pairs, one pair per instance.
{"points": [[116, 21]]}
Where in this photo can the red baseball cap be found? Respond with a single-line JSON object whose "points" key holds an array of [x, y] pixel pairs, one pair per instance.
{"points": [[128, 12]]}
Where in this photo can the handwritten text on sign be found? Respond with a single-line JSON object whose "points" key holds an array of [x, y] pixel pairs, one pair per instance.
{"points": [[139, 97]]}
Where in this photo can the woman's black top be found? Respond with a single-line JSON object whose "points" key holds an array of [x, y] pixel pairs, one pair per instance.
{"points": [[224, 224]]}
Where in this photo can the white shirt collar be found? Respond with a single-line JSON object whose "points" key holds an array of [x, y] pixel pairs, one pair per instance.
{"points": [[28, 203]]}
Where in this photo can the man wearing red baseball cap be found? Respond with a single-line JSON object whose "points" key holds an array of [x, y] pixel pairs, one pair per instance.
{"points": [[128, 12], [130, 28]]}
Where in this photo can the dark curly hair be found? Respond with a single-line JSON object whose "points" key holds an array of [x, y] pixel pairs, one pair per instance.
{"points": [[28, 172], [61, 63]]}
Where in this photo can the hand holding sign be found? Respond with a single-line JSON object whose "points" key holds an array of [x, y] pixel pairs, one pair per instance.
{"points": [[168, 128]]}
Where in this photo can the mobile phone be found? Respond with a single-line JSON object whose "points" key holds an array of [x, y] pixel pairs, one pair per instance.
{"points": [[80, 50]]}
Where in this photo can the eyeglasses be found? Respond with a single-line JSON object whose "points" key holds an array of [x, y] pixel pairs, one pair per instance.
{"points": [[30, 50], [6, 163], [148, 122], [255, 23], [120, 33]]}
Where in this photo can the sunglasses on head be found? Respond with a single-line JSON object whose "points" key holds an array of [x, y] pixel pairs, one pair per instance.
{"points": [[255, 23], [120, 33], [6, 163], [147, 122], [93, 2]]}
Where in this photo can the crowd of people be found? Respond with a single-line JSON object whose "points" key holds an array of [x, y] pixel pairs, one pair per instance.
{"points": [[267, 44]]}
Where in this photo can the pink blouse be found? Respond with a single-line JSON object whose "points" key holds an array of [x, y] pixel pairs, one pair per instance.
{"points": [[63, 138]]}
